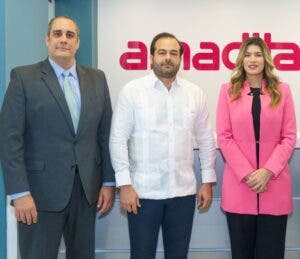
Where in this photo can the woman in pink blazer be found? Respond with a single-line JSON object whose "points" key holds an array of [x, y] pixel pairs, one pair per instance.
{"points": [[256, 131]]}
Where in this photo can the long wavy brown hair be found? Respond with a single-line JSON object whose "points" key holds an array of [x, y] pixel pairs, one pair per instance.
{"points": [[239, 75]]}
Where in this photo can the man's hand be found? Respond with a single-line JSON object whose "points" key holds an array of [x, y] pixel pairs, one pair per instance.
{"points": [[25, 209], [106, 199], [204, 196], [129, 200], [259, 179]]}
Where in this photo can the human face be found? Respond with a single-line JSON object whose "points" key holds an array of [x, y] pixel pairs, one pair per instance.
{"points": [[254, 61], [166, 58], [63, 42]]}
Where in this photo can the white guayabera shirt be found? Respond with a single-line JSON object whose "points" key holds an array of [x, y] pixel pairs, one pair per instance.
{"points": [[153, 134]]}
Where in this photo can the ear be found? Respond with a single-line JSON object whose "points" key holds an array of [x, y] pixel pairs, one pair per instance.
{"points": [[151, 59], [78, 43], [47, 40]]}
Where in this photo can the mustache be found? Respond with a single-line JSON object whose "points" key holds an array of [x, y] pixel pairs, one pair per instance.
{"points": [[168, 62]]}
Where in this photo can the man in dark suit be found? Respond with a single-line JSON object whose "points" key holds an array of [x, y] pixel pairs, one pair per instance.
{"points": [[54, 131]]}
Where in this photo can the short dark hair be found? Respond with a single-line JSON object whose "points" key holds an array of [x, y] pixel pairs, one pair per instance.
{"points": [[50, 24], [164, 35]]}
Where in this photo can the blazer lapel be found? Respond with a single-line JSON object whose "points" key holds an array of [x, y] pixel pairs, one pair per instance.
{"points": [[51, 81], [246, 110], [85, 93]]}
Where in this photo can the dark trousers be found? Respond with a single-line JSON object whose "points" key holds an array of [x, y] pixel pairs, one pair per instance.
{"points": [[257, 237], [76, 223], [174, 215]]}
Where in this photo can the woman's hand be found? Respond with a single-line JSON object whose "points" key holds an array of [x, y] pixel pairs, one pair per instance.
{"points": [[259, 179]]}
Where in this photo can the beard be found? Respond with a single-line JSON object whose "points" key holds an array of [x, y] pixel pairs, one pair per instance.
{"points": [[160, 71]]}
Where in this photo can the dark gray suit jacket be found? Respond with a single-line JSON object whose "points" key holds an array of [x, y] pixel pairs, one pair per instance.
{"points": [[39, 149]]}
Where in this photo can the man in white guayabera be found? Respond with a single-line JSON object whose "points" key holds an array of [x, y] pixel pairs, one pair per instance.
{"points": [[155, 122]]}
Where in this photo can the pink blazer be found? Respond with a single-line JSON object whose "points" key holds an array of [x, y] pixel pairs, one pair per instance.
{"points": [[235, 134]]}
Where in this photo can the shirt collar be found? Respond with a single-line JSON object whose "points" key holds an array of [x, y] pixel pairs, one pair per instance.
{"points": [[156, 83], [59, 70], [246, 87]]}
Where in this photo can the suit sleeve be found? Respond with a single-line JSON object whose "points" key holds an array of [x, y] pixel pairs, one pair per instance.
{"points": [[103, 136], [229, 148], [283, 151], [12, 129]]}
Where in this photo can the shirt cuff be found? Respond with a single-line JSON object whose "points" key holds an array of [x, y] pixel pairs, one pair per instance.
{"points": [[208, 176], [123, 178], [18, 195], [112, 184]]}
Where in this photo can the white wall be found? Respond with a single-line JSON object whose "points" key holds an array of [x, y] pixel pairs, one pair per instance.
{"points": [[220, 22]]}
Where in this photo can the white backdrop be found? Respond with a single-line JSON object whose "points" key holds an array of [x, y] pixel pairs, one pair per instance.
{"points": [[194, 21]]}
